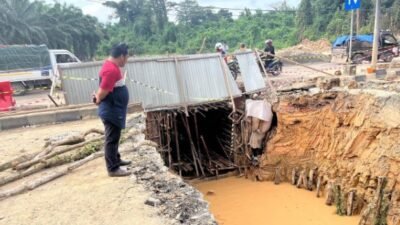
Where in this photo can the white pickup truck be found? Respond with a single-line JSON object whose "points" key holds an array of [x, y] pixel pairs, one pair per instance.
{"points": [[31, 66]]}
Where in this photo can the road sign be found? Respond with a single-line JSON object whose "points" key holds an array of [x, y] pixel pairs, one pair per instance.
{"points": [[352, 4]]}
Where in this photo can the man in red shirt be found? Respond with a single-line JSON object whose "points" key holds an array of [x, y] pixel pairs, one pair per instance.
{"points": [[112, 99]]}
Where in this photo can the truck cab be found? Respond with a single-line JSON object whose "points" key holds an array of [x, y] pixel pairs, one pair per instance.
{"points": [[31, 66], [61, 57]]}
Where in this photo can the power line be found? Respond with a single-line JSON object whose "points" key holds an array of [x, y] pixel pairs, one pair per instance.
{"points": [[222, 8], [250, 9]]}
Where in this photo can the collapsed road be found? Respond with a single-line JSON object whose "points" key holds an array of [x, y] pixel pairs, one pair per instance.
{"points": [[335, 137]]}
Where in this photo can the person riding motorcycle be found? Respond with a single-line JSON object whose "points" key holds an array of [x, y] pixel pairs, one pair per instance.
{"points": [[270, 53], [219, 47]]}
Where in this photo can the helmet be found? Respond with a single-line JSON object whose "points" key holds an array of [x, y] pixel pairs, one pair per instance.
{"points": [[268, 41], [218, 46]]}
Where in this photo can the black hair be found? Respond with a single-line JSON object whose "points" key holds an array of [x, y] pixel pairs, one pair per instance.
{"points": [[119, 49], [242, 45]]}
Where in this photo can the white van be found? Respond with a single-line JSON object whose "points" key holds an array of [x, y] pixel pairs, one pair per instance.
{"points": [[30, 66]]}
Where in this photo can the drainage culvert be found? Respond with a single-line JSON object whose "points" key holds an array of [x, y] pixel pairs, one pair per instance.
{"points": [[204, 141]]}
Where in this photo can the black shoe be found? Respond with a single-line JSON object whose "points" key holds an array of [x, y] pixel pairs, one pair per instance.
{"points": [[119, 173], [125, 163]]}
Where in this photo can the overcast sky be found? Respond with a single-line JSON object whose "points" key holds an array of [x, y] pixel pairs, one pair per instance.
{"points": [[95, 8]]}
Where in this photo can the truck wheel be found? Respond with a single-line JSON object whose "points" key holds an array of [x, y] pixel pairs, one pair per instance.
{"points": [[358, 58], [19, 88]]}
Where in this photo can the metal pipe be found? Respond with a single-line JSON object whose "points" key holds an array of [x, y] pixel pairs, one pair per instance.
{"points": [[227, 85]]}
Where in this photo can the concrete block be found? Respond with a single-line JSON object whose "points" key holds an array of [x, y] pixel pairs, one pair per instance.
{"points": [[42, 118], [13, 122], [380, 73], [88, 113], [360, 78], [67, 116]]}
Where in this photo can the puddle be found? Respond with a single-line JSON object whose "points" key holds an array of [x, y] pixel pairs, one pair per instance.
{"points": [[238, 201]]}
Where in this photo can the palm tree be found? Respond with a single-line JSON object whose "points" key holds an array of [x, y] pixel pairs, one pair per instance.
{"points": [[57, 26], [21, 22]]}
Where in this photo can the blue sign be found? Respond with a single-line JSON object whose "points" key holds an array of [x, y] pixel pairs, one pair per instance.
{"points": [[352, 4]]}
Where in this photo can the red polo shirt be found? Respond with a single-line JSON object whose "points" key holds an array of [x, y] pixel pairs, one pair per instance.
{"points": [[109, 74]]}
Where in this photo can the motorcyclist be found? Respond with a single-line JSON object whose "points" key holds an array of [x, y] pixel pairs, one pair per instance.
{"points": [[219, 47], [270, 53]]}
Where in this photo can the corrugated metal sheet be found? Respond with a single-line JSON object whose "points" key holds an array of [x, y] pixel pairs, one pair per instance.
{"points": [[158, 82], [153, 83], [79, 82], [250, 71]]}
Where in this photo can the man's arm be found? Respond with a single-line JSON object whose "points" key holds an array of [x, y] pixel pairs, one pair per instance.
{"points": [[100, 95], [106, 86]]}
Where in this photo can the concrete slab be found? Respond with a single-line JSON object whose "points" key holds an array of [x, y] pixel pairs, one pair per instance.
{"points": [[57, 115], [88, 113], [13, 122], [42, 118], [67, 116]]}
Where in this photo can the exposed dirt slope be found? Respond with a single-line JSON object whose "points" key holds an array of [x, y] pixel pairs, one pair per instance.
{"points": [[351, 138], [322, 46]]}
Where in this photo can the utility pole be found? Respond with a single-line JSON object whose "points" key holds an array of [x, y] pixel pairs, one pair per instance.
{"points": [[358, 22], [376, 35], [351, 37]]}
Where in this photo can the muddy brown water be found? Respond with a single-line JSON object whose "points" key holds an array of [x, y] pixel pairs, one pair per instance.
{"points": [[238, 201]]}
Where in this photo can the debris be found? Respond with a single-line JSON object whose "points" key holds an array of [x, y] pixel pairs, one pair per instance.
{"points": [[153, 202]]}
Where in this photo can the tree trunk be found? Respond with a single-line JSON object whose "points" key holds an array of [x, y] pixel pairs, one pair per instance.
{"points": [[55, 153], [12, 163], [52, 176], [330, 197], [319, 186]]}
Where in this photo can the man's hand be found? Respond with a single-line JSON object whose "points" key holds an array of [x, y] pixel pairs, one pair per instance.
{"points": [[94, 98], [99, 96]]}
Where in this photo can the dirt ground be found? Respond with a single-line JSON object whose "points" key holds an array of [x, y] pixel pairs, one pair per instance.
{"points": [[86, 196]]}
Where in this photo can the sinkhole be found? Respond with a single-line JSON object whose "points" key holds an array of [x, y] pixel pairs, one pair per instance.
{"points": [[337, 147]]}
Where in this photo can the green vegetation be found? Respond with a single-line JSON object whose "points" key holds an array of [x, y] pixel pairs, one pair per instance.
{"points": [[147, 31], [161, 26], [58, 26]]}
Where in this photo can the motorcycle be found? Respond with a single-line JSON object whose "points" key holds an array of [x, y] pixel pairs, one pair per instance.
{"points": [[233, 66], [274, 67]]}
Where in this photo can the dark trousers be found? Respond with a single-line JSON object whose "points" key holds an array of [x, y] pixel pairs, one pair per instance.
{"points": [[268, 63], [112, 136]]}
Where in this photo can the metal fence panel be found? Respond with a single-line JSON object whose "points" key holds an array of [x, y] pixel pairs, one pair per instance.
{"points": [[79, 82], [153, 83], [158, 82], [204, 80], [250, 71]]}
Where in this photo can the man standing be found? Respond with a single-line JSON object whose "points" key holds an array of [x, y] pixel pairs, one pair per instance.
{"points": [[112, 99]]}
